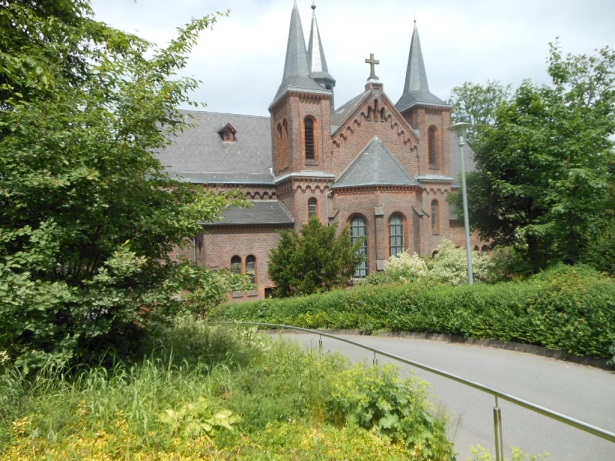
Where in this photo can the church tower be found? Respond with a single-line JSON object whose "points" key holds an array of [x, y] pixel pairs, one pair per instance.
{"points": [[301, 124], [430, 117], [425, 112]]}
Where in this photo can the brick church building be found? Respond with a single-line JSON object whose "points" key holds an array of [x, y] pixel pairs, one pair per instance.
{"points": [[382, 168]]}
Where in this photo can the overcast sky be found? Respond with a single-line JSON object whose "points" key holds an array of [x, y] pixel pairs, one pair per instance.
{"points": [[241, 60]]}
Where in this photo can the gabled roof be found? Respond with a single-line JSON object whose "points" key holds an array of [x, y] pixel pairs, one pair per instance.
{"points": [[343, 115], [228, 127], [199, 155], [416, 87], [296, 66], [263, 212], [375, 166]]}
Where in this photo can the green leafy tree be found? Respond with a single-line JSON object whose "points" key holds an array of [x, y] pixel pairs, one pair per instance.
{"points": [[477, 104], [317, 259], [88, 216], [542, 177]]}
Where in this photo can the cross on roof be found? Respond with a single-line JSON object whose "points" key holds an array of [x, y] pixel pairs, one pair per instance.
{"points": [[372, 65]]}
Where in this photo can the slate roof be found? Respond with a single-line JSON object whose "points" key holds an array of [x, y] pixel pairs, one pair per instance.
{"points": [[316, 55], [340, 114], [296, 66], [375, 166], [416, 86], [263, 212], [199, 154]]}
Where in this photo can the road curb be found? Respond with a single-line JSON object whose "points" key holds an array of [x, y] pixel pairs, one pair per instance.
{"points": [[511, 346]]}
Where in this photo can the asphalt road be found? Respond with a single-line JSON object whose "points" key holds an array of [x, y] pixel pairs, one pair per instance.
{"points": [[582, 392]]}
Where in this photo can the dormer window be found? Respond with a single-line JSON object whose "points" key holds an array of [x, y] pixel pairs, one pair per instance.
{"points": [[228, 133]]}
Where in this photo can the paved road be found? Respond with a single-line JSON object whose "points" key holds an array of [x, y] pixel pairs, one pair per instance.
{"points": [[582, 392]]}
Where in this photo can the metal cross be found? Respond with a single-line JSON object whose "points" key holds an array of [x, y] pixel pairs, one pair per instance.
{"points": [[372, 64]]}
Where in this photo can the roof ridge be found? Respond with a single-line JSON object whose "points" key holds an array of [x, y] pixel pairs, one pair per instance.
{"points": [[193, 111]]}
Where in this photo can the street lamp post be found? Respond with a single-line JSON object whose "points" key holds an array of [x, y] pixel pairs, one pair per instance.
{"points": [[460, 128]]}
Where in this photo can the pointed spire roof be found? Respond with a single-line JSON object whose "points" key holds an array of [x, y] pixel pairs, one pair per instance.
{"points": [[375, 166], [296, 69], [316, 56], [416, 87]]}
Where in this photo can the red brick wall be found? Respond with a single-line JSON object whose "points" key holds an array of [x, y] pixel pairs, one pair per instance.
{"points": [[422, 118], [377, 205], [458, 236], [296, 192], [294, 108], [221, 243], [375, 117]]}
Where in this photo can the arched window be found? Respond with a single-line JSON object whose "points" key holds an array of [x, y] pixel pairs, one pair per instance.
{"points": [[279, 145], [312, 208], [282, 144], [251, 268], [358, 230], [236, 269], [396, 234], [236, 264], [432, 146], [435, 217], [310, 147]]}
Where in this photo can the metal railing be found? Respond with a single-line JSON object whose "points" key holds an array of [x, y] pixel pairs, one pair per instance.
{"points": [[497, 415]]}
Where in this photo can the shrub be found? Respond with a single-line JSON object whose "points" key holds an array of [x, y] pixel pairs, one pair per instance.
{"points": [[376, 398], [406, 267], [450, 264], [317, 259], [571, 309]]}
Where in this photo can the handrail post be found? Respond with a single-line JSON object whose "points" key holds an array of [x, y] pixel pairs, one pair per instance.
{"points": [[375, 360], [497, 424]]}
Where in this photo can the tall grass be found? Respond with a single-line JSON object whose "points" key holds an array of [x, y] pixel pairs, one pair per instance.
{"points": [[180, 401]]}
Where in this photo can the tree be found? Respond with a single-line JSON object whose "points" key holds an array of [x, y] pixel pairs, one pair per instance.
{"points": [[543, 165], [317, 259], [88, 215], [477, 104]]}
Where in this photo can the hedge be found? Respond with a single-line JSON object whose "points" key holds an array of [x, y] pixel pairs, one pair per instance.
{"points": [[570, 309]]}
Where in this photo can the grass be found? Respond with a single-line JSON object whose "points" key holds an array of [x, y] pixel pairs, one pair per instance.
{"points": [[214, 393]]}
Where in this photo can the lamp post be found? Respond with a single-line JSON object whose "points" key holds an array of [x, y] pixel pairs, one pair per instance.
{"points": [[460, 128]]}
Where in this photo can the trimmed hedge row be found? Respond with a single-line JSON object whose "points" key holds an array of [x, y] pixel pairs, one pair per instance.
{"points": [[571, 309]]}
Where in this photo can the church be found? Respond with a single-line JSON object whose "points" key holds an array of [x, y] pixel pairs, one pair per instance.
{"points": [[383, 169]]}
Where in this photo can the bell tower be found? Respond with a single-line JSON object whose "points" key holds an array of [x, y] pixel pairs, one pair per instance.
{"points": [[301, 108], [301, 124], [426, 113]]}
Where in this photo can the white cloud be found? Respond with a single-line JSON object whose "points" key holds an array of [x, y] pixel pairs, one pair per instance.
{"points": [[241, 60]]}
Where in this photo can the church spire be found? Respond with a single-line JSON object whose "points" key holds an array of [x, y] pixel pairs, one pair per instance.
{"points": [[416, 87], [296, 69], [316, 56]]}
